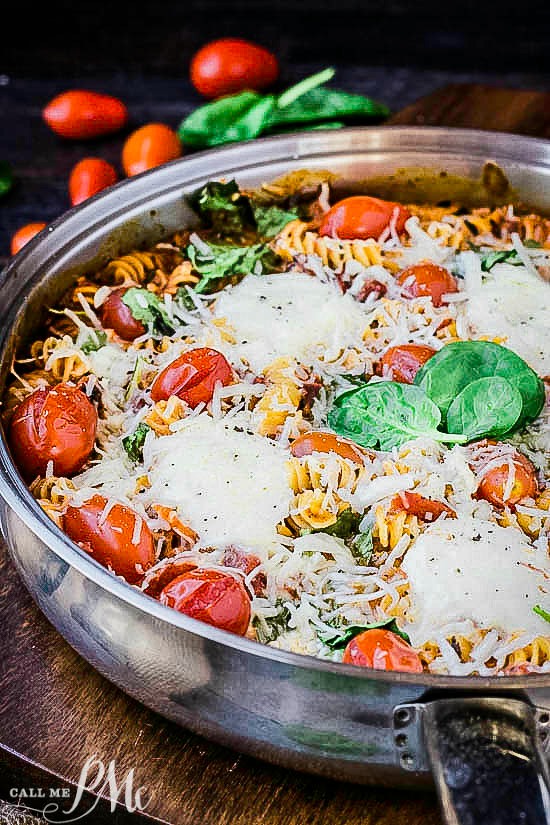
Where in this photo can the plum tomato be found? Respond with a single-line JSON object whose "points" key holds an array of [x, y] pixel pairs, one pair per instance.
{"points": [[56, 424], [214, 597], [322, 442], [148, 147], [495, 485], [427, 280], [361, 217], [88, 177], [24, 234], [116, 315], [81, 114], [230, 65], [401, 363], [192, 376], [115, 536], [382, 650]]}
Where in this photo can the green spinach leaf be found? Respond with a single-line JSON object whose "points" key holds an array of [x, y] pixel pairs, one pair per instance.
{"points": [[362, 546], [540, 611], [386, 414], [147, 307], [96, 340], [325, 104], [222, 207], [237, 117], [486, 408], [456, 365], [227, 263], [344, 527], [6, 177], [270, 220], [342, 635], [133, 444], [500, 256]]}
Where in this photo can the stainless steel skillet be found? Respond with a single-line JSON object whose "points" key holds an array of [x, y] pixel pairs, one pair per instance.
{"points": [[483, 740]]}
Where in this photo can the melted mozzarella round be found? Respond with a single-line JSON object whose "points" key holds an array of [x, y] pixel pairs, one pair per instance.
{"points": [[290, 315], [474, 569], [512, 303], [230, 486]]}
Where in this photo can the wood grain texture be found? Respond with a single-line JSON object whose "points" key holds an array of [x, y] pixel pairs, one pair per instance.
{"points": [[477, 106], [56, 710]]}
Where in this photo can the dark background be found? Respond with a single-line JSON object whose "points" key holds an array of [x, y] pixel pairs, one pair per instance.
{"points": [[394, 50]]}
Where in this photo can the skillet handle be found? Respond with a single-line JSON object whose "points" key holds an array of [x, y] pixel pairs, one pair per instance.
{"points": [[487, 760]]}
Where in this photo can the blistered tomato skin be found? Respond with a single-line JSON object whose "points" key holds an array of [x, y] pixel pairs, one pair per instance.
{"points": [[231, 65], [361, 217], [321, 442], [494, 486], [25, 234], [382, 650], [56, 424], [78, 114], [401, 363], [115, 315], [427, 280], [193, 377], [88, 177], [149, 147], [113, 540], [211, 596]]}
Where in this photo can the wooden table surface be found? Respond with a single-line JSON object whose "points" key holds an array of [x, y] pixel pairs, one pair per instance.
{"points": [[56, 710]]}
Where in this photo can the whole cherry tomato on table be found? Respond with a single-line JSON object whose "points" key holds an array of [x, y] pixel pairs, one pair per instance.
{"points": [[361, 217], [382, 650], [214, 597], [24, 234], [148, 147], [88, 177], [230, 65], [427, 280], [81, 114], [116, 315], [321, 442], [401, 363], [56, 424], [495, 482], [192, 376], [119, 540]]}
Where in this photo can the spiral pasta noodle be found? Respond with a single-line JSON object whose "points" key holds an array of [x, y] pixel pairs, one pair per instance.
{"points": [[165, 413], [61, 357], [298, 239]]}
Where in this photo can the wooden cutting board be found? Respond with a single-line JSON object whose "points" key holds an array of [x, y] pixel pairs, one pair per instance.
{"points": [[56, 710]]}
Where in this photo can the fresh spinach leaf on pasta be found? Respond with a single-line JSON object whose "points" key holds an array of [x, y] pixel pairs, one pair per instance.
{"points": [[486, 408], [222, 207], [95, 340], [386, 414], [456, 365], [223, 264], [133, 444]]}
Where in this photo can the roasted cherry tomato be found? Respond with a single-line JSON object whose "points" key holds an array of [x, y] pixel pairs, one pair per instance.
{"points": [[24, 234], [117, 316], [427, 281], [116, 537], [192, 376], [81, 114], [55, 424], [362, 217], [227, 66], [319, 442], [247, 562], [426, 509], [213, 597], [150, 146], [494, 482], [382, 650], [88, 177], [401, 363]]}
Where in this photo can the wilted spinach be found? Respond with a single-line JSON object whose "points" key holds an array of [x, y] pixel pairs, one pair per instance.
{"points": [[95, 340], [342, 635], [362, 546], [344, 527], [133, 444], [147, 307], [227, 263], [270, 628]]}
